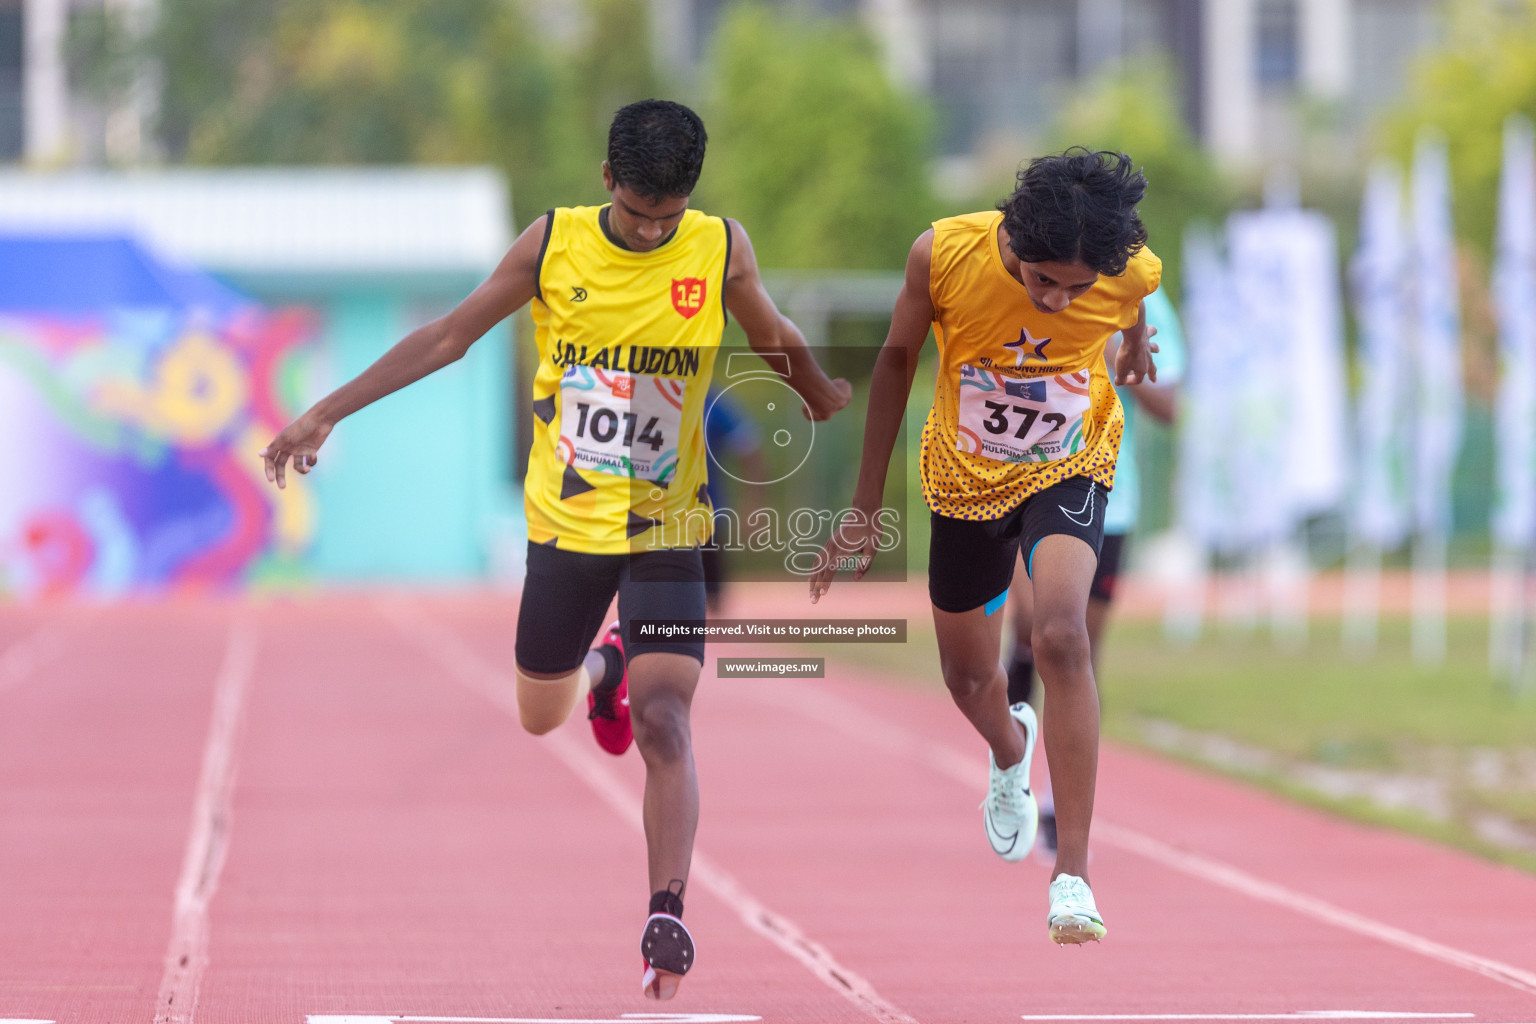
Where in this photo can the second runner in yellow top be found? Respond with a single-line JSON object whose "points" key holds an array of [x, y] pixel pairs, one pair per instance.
{"points": [[1023, 399]]}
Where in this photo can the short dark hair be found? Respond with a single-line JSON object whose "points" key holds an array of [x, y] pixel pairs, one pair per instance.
{"points": [[1079, 206], [656, 148]]}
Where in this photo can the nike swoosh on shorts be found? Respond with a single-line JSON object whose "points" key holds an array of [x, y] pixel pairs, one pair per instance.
{"points": [[1087, 507]]}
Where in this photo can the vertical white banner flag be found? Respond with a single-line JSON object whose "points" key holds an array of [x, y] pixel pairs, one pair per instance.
{"points": [[1379, 512], [1438, 394], [1204, 504], [1265, 378], [1437, 427], [1514, 299], [1287, 266], [1205, 491]]}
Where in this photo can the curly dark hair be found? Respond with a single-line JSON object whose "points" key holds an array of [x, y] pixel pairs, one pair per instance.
{"points": [[656, 148], [1079, 206]]}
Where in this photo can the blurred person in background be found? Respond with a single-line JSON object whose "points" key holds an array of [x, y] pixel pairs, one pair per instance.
{"points": [[1017, 456], [629, 301], [1159, 400], [733, 442]]}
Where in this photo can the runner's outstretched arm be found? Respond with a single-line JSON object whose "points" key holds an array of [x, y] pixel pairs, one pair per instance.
{"points": [[425, 350], [768, 331], [1133, 362], [888, 390], [1161, 401]]}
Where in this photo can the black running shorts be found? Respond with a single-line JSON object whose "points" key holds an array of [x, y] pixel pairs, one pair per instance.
{"points": [[714, 569], [566, 595], [970, 562]]}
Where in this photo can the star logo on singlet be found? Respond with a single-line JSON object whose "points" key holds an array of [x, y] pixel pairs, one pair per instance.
{"points": [[1030, 342]]}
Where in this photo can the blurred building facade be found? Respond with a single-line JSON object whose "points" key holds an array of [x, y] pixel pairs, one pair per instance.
{"points": [[1250, 70]]}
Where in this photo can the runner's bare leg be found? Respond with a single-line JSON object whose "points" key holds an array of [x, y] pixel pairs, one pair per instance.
{"points": [[968, 656], [661, 686], [1063, 572]]}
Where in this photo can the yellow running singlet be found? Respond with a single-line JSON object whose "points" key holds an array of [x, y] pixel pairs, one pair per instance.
{"points": [[626, 344], [1023, 398]]}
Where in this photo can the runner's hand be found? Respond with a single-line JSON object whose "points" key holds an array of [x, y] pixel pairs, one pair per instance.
{"points": [[299, 441], [827, 400], [1133, 359], [853, 538]]}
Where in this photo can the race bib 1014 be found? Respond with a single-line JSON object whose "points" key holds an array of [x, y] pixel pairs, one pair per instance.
{"points": [[1022, 419], [626, 424]]}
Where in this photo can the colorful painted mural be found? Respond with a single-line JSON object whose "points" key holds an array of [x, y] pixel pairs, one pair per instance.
{"points": [[132, 436]]}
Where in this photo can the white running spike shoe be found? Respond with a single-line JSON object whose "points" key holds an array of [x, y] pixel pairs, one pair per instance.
{"points": [[1009, 812], [1074, 918]]}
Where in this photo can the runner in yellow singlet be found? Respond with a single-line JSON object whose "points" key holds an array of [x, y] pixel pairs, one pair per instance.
{"points": [[629, 300], [1018, 454]]}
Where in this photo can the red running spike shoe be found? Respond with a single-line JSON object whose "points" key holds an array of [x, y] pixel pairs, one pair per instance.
{"points": [[608, 707]]}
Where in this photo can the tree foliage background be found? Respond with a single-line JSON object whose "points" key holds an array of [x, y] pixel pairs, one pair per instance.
{"points": [[1135, 111], [814, 149], [393, 81], [811, 146], [827, 162], [1485, 71]]}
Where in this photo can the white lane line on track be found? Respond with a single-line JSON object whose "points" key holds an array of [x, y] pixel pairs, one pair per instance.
{"points": [[485, 679], [854, 721], [1302, 1015], [1208, 870], [627, 1018], [208, 841]]}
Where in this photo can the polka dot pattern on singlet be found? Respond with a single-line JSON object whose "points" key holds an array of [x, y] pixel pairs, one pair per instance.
{"points": [[980, 308], [963, 486]]}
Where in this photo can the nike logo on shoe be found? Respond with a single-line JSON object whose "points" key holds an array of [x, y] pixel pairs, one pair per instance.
{"points": [[998, 838]]}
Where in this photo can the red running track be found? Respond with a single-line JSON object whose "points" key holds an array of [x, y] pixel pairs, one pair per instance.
{"points": [[323, 810]]}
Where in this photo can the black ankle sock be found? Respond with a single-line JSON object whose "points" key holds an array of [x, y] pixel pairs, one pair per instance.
{"points": [[1021, 678], [613, 668], [667, 902]]}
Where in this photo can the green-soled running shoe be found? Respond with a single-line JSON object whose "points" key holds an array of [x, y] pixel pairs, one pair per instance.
{"points": [[1073, 918]]}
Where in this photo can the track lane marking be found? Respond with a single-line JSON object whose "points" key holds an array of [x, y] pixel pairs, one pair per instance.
{"points": [[628, 1018], [1229, 877], [1300, 1015], [854, 721], [478, 675], [208, 841]]}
